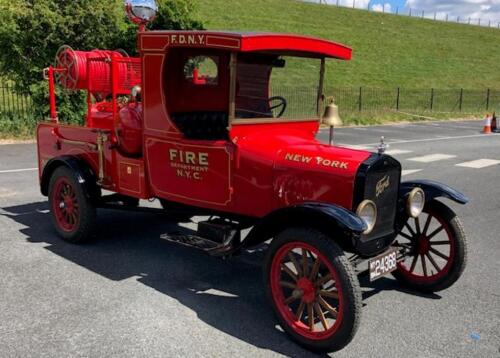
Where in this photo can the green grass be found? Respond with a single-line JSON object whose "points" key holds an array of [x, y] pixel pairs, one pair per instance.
{"points": [[389, 51]]}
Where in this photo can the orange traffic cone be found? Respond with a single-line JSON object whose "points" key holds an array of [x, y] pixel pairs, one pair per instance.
{"points": [[487, 124]]}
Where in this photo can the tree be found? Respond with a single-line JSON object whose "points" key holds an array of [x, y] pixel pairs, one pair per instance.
{"points": [[31, 32]]}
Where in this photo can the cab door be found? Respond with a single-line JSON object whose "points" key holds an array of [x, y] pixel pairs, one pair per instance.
{"points": [[192, 172]]}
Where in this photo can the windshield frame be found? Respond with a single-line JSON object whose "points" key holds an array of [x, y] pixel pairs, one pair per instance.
{"points": [[234, 120]]}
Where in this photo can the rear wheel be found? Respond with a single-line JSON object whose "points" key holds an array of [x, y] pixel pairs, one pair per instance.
{"points": [[437, 249], [313, 289], [73, 214]]}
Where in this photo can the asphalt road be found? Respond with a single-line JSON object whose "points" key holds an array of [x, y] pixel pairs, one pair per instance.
{"points": [[132, 294]]}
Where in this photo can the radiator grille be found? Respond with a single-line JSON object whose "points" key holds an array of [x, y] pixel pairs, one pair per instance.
{"points": [[378, 180]]}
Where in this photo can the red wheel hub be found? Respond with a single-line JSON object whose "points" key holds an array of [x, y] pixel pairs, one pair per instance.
{"points": [[307, 290], [423, 245], [68, 204]]}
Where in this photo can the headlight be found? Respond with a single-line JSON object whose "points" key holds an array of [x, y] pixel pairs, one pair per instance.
{"points": [[416, 202], [367, 211]]}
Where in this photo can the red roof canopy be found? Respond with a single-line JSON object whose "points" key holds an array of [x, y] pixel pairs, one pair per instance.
{"points": [[282, 44]]}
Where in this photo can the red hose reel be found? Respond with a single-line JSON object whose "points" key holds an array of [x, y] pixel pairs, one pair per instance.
{"points": [[92, 70]]}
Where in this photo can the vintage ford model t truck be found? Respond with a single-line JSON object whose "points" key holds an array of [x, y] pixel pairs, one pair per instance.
{"points": [[202, 122]]}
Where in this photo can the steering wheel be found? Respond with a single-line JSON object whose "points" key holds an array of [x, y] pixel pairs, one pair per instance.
{"points": [[282, 103]]}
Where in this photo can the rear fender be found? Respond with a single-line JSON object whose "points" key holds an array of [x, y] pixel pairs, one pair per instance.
{"points": [[332, 220], [82, 170]]}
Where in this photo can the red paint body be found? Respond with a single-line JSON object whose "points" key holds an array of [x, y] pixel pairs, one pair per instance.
{"points": [[256, 169]]}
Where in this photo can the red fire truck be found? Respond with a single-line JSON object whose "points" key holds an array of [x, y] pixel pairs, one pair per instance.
{"points": [[212, 125]]}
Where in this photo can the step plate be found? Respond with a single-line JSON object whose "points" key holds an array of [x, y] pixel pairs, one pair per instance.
{"points": [[191, 241]]}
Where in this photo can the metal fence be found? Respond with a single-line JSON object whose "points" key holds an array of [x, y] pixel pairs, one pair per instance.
{"points": [[407, 11], [363, 99], [14, 106]]}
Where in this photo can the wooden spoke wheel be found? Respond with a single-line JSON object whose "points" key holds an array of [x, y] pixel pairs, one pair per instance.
{"points": [[436, 249], [313, 289], [73, 215]]}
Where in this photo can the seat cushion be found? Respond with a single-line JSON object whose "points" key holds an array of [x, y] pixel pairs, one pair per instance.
{"points": [[202, 125]]}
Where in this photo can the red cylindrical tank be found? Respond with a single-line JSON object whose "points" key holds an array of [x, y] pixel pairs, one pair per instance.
{"points": [[129, 129], [92, 69]]}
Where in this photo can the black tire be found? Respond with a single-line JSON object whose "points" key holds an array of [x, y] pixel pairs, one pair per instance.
{"points": [[452, 268], [346, 285], [77, 226]]}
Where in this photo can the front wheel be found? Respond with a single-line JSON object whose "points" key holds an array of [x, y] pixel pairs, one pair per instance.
{"points": [[313, 289], [436, 247]]}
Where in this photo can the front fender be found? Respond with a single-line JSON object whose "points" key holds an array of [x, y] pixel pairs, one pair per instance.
{"points": [[328, 218], [433, 190]]}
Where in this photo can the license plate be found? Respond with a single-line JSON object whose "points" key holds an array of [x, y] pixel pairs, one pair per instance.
{"points": [[382, 265]]}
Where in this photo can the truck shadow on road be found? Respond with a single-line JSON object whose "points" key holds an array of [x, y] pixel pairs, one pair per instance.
{"points": [[226, 294]]}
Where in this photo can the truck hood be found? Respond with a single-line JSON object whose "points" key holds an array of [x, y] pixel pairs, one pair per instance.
{"points": [[302, 168], [318, 157]]}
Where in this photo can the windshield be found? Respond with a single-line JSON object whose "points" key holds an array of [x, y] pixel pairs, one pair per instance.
{"points": [[272, 88]]}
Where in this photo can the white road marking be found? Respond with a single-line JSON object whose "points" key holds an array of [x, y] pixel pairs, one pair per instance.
{"points": [[398, 151], [410, 171], [432, 158], [18, 170], [479, 164], [432, 139], [358, 147]]}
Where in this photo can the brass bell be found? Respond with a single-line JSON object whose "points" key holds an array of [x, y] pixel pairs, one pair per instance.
{"points": [[331, 117]]}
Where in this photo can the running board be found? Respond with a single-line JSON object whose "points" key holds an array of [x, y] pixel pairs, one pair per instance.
{"points": [[208, 246]]}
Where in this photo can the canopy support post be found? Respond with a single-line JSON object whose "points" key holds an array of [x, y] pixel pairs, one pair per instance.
{"points": [[321, 97], [232, 88]]}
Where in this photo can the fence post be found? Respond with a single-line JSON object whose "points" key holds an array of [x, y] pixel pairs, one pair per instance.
{"points": [[360, 99], [17, 105], [397, 99], [3, 98], [432, 99], [338, 3], [423, 14], [461, 99], [488, 93], [434, 16], [9, 100], [353, 4], [446, 17], [397, 10], [410, 11]]}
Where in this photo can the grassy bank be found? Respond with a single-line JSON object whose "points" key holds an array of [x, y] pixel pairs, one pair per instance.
{"points": [[389, 51]]}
